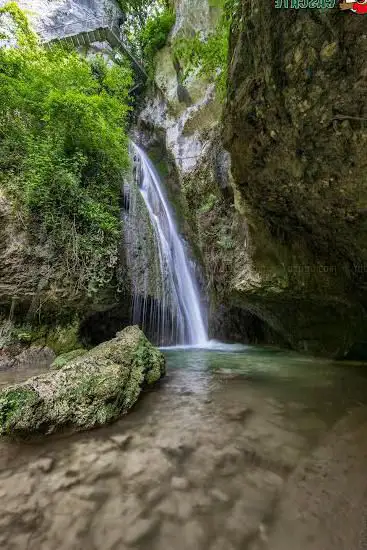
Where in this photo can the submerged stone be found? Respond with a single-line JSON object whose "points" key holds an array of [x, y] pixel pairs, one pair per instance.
{"points": [[90, 391]]}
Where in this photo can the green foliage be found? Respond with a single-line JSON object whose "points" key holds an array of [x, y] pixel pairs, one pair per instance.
{"points": [[60, 338], [153, 36], [63, 339], [208, 55], [65, 358], [63, 148], [142, 9], [210, 202], [25, 36], [12, 402], [147, 25]]}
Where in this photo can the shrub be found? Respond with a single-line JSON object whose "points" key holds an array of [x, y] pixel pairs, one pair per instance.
{"points": [[63, 148], [153, 36]]}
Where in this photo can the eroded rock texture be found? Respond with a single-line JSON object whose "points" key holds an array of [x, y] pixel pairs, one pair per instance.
{"points": [[295, 125]]}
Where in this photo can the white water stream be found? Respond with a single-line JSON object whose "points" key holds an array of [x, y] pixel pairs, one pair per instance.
{"points": [[178, 317]]}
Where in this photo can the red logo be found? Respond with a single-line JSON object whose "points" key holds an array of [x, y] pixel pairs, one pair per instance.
{"points": [[356, 6]]}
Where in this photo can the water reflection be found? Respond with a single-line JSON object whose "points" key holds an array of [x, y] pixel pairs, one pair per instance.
{"points": [[325, 386], [198, 463]]}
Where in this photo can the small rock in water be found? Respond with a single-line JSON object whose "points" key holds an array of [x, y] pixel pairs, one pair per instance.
{"points": [[45, 465], [263, 532], [155, 495], [179, 483], [175, 450], [122, 440], [238, 413], [222, 544], [219, 495], [140, 529]]}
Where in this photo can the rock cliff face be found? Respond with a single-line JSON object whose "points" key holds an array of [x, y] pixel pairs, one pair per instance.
{"points": [[295, 125], [34, 278], [180, 126], [49, 19], [32, 275], [271, 186]]}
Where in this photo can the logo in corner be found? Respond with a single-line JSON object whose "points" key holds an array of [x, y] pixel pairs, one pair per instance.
{"points": [[356, 6]]}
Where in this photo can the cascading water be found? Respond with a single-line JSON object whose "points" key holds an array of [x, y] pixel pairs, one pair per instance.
{"points": [[167, 303]]}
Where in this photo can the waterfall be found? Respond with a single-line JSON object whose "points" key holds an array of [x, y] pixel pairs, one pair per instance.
{"points": [[166, 300]]}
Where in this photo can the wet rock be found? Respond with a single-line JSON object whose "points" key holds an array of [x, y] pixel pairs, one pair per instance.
{"points": [[184, 506], [194, 536], [135, 464], [88, 492], [228, 462], [44, 465], [20, 485], [65, 358], [154, 495], [294, 279], [123, 440], [150, 466], [200, 500], [238, 414], [177, 450], [35, 357], [6, 361], [69, 517], [179, 483], [222, 544], [121, 520], [39, 357], [219, 495], [201, 465], [104, 467], [90, 391], [140, 530], [167, 507], [63, 481]]}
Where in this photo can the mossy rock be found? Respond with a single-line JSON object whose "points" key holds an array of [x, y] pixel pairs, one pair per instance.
{"points": [[65, 358], [88, 391], [60, 338], [63, 339]]}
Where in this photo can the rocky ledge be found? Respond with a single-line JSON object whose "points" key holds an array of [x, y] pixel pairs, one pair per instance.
{"points": [[89, 391]]}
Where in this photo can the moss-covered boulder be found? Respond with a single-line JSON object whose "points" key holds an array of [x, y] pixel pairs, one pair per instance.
{"points": [[89, 391], [65, 358]]}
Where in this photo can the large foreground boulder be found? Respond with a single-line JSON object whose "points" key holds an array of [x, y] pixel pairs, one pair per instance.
{"points": [[91, 390]]}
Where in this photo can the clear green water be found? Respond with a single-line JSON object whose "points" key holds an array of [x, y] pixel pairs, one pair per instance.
{"points": [[328, 388], [207, 454]]}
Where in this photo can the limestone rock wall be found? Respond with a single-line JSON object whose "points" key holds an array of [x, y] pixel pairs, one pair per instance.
{"points": [[295, 125], [270, 184], [49, 18], [180, 125]]}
